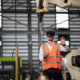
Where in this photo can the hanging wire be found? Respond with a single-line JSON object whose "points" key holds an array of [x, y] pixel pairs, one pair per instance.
{"points": [[43, 27], [16, 21], [5, 1], [61, 22]]}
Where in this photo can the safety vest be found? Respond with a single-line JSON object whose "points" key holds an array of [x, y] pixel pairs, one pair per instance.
{"points": [[54, 59]]}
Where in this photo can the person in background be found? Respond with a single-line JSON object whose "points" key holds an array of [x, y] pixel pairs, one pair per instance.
{"points": [[63, 38], [51, 58]]}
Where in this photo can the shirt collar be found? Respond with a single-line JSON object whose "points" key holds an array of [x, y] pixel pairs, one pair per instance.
{"points": [[49, 44]]}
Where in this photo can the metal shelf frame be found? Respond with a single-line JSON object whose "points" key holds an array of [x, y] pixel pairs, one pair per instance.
{"points": [[19, 17]]}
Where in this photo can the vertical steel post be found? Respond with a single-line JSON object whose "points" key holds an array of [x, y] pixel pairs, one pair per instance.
{"points": [[17, 62], [29, 36]]}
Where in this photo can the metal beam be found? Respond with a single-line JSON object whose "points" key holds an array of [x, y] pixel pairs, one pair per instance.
{"points": [[29, 36], [35, 32]]}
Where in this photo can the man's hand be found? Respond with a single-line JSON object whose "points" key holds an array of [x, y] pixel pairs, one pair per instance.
{"points": [[62, 41], [45, 55]]}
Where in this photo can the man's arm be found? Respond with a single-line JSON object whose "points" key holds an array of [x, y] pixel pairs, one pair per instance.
{"points": [[64, 49], [42, 56]]}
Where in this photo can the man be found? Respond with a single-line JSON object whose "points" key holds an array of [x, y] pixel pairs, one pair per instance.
{"points": [[64, 37], [51, 57]]}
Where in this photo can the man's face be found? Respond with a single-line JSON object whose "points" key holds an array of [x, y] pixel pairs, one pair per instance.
{"points": [[50, 38]]}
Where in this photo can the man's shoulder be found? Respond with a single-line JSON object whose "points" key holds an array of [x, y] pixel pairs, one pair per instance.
{"points": [[43, 44]]}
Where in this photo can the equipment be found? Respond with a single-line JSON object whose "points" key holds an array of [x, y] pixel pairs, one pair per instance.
{"points": [[72, 63], [42, 7], [8, 67], [76, 61], [40, 15], [50, 33], [60, 3]]}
